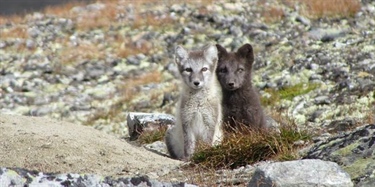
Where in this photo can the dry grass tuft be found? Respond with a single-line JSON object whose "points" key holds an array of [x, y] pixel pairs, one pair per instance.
{"points": [[272, 14], [128, 48], [147, 137], [63, 9], [370, 116], [129, 88], [102, 18], [15, 32], [10, 19], [249, 146], [151, 20], [81, 52], [331, 8]]}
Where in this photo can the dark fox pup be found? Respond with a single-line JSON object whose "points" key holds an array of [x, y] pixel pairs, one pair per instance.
{"points": [[241, 103]]}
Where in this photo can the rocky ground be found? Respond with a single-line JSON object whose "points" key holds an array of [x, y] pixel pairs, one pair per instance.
{"points": [[55, 152], [93, 64]]}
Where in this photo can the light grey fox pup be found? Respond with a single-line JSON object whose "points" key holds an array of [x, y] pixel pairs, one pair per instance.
{"points": [[199, 111]]}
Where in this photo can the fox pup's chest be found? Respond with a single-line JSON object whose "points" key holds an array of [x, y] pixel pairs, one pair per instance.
{"points": [[194, 106]]}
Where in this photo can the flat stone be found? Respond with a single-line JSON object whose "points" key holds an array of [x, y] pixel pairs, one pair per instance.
{"points": [[298, 173], [138, 122]]}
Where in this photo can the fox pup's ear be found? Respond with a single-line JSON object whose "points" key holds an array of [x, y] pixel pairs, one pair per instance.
{"points": [[221, 50], [211, 53], [181, 54], [246, 51]]}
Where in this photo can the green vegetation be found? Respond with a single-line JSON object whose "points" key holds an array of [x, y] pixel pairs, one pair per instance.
{"points": [[250, 146], [287, 93], [298, 89]]}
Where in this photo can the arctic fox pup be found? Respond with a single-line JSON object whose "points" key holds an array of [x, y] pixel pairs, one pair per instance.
{"points": [[241, 102], [199, 111]]}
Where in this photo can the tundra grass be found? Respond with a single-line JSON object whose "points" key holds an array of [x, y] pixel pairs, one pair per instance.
{"points": [[251, 146], [148, 137]]}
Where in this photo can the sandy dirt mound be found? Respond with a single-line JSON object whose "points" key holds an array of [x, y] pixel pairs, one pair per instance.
{"points": [[59, 147]]}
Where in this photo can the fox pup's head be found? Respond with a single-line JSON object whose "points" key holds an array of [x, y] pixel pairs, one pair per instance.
{"points": [[197, 68], [234, 69]]}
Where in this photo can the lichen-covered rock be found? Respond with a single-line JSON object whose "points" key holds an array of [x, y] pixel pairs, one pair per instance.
{"points": [[353, 150], [307, 173], [140, 122], [22, 177]]}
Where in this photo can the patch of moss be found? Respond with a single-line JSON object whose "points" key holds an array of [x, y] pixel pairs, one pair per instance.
{"points": [[346, 150], [287, 93], [359, 166]]}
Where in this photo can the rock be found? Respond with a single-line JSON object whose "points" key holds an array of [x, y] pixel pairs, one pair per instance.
{"points": [[133, 60], [341, 125], [272, 124], [158, 147], [303, 20], [22, 177], [354, 151], [10, 177], [139, 122], [322, 100], [297, 173], [326, 35]]}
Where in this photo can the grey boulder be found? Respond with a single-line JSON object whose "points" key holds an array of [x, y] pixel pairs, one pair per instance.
{"points": [[300, 173]]}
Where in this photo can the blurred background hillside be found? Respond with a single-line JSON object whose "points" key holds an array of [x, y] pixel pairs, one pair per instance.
{"points": [[11, 7], [94, 62]]}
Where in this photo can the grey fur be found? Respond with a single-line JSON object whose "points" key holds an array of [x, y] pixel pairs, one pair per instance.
{"points": [[241, 102]]}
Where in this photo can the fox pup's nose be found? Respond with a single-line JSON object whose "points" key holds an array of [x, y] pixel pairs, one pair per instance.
{"points": [[196, 83], [231, 84]]}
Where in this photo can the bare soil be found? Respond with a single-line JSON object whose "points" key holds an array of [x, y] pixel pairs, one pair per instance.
{"points": [[52, 146]]}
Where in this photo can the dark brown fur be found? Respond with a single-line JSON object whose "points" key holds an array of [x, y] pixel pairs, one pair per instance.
{"points": [[241, 102]]}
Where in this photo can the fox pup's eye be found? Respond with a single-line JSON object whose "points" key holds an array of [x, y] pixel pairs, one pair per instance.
{"points": [[204, 69], [188, 70]]}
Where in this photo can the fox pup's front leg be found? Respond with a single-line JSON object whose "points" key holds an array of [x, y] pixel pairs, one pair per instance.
{"points": [[189, 141]]}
